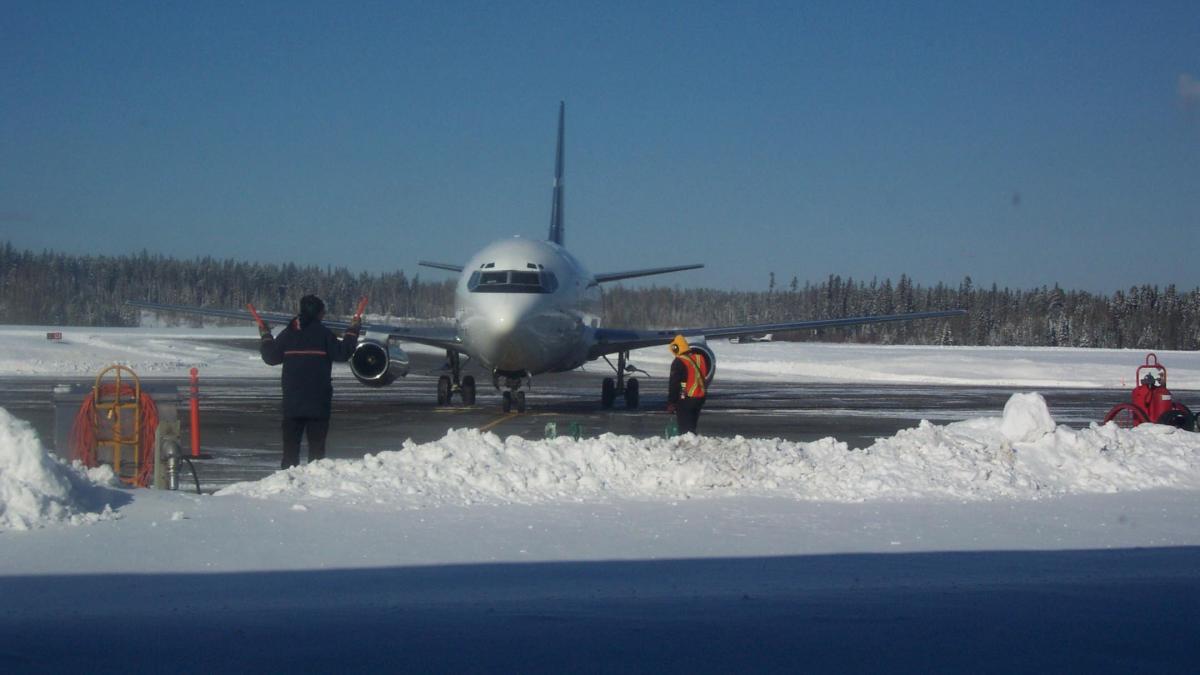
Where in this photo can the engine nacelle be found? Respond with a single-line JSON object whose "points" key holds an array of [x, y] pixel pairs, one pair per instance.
{"points": [[378, 364], [698, 344]]}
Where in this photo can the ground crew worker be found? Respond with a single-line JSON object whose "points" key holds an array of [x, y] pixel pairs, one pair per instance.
{"points": [[307, 350], [688, 385]]}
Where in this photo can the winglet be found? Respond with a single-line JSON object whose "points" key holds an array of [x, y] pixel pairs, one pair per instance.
{"points": [[556, 204]]}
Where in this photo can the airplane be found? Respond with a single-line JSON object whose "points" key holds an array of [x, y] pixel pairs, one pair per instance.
{"points": [[524, 307]]}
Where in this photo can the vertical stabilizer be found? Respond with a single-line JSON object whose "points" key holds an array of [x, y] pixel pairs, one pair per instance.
{"points": [[556, 206]]}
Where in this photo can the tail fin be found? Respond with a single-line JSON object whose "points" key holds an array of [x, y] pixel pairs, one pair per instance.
{"points": [[556, 206]]}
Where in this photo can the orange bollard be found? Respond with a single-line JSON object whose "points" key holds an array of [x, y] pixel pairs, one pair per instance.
{"points": [[195, 405]]}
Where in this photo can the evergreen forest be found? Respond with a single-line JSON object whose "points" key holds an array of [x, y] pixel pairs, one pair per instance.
{"points": [[51, 288]]}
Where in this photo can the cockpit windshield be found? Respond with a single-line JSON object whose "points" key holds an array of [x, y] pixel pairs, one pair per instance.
{"points": [[512, 281]]}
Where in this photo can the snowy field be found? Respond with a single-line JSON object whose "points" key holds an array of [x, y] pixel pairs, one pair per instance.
{"points": [[970, 545], [171, 352]]}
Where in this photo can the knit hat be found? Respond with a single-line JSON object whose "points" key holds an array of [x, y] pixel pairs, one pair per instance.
{"points": [[310, 309]]}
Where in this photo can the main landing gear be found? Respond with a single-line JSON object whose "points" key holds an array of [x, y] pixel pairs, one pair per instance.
{"points": [[449, 385], [512, 396], [629, 388]]}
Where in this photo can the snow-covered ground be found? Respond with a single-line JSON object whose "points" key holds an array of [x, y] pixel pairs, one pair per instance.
{"points": [[171, 352], [951, 510]]}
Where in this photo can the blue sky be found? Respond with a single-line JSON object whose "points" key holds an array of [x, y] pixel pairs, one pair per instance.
{"points": [[1018, 143]]}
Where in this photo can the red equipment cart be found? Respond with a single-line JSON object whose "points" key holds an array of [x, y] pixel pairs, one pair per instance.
{"points": [[1151, 401]]}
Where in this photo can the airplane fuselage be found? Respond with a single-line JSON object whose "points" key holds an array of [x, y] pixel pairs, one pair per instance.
{"points": [[524, 307]]}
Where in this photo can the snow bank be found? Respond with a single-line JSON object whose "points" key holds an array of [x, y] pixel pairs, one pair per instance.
{"points": [[1021, 455], [38, 489]]}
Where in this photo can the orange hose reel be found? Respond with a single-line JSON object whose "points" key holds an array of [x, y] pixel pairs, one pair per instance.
{"points": [[116, 424]]}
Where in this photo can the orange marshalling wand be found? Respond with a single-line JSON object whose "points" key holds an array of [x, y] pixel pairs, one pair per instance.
{"points": [[261, 326]]}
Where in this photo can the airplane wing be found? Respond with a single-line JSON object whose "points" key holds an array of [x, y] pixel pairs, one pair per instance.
{"points": [[440, 265], [613, 340], [443, 337], [614, 276]]}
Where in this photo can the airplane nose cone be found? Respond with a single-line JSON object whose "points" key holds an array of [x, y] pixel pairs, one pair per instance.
{"points": [[502, 320], [499, 334], [499, 324]]}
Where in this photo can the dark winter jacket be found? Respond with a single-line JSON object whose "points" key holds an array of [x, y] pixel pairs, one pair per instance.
{"points": [[307, 355], [679, 375]]}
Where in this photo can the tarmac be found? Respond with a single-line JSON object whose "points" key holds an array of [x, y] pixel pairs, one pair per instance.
{"points": [[239, 422]]}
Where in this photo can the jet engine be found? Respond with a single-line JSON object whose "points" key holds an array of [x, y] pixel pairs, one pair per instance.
{"points": [[698, 344], [378, 364]]}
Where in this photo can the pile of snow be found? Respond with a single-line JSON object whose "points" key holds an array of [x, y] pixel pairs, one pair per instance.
{"points": [[1026, 418], [1022, 455], [38, 489]]}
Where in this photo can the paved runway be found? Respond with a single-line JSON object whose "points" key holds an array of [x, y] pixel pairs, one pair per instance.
{"points": [[240, 417]]}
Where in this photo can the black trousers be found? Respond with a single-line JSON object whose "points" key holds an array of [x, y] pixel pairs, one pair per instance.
{"points": [[687, 414], [293, 428]]}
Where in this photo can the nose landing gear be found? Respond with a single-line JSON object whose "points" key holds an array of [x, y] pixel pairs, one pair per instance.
{"points": [[610, 388], [512, 396]]}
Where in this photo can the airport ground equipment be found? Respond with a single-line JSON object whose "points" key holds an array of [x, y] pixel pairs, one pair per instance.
{"points": [[170, 457], [194, 410], [131, 425], [116, 425], [1151, 401]]}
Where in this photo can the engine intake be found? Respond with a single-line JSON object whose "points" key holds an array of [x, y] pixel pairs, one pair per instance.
{"points": [[699, 344], [378, 364]]}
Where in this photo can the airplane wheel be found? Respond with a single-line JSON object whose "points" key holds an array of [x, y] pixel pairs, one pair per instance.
{"points": [[443, 390], [506, 403], [608, 393], [631, 393], [468, 390], [520, 401]]}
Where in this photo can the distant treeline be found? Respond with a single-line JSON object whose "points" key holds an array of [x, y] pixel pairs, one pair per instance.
{"points": [[1144, 317], [54, 288]]}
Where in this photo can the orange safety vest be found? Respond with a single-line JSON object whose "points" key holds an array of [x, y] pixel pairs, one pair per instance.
{"points": [[696, 372]]}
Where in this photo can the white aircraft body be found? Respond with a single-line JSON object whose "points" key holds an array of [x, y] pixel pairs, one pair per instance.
{"points": [[525, 307]]}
